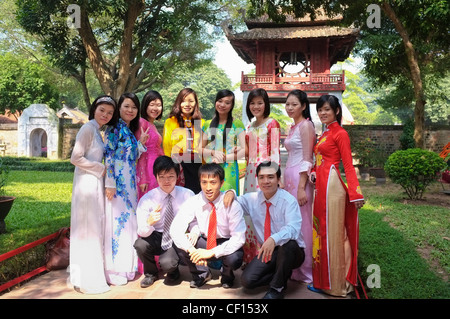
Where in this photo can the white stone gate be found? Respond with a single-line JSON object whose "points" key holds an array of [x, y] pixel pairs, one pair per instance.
{"points": [[38, 132]]}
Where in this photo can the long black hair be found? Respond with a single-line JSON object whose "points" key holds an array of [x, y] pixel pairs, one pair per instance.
{"points": [[334, 104], [105, 99], [303, 98], [134, 124], [215, 121], [176, 108]]}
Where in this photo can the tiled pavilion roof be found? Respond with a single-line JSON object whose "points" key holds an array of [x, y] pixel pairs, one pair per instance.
{"points": [[263, 29], [299, 32]]}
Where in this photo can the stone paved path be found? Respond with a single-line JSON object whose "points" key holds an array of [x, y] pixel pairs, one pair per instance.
{"points": [[53, 285]]}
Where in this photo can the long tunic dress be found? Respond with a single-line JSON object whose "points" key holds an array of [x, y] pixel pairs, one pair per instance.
{"points": [[122, 152], [144, 169], [183, 144], [87, 219], [299, 144], [232, 139], [335, 220], [263, 145]]}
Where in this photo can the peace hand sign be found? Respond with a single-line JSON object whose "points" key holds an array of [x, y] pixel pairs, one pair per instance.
{"points": [[144, 136]]}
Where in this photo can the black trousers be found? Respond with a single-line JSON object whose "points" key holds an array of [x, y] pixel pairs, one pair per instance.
{"points": [[230, 262], [277, 271], [190, 171], [149, 247]]}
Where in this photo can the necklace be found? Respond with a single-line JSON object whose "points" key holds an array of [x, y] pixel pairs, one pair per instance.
{"points": [[187, 123]]}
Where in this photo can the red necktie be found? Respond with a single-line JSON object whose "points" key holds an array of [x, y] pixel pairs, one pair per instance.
{"points": [[212, 229], [267, 222]]}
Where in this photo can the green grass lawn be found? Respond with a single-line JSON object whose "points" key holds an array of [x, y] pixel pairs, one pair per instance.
{"points": [[408, 241], [42, 206]]}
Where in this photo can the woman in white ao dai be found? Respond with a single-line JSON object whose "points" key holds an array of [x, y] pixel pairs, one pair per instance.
{"points": [[87, 208]]}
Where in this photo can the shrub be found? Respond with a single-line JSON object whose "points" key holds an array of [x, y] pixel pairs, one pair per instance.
{"points": [[407, 138], [363, 150], [37, 164], [414, 169], [368, 153]]}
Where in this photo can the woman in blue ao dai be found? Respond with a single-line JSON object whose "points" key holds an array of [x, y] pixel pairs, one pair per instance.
{"points": [[121, 154]]}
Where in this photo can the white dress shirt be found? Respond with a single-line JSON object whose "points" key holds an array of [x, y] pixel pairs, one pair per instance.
{"points": [[150, 202], [230, 224], [285, 217]]}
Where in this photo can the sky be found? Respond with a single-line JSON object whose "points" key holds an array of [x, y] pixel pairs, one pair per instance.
{"points": [[228, 60]]}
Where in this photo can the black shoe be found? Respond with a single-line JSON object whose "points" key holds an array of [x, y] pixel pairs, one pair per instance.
{"points": [[274, 294], [227, 285], [200, 281], [148, 281], [172, 277]]}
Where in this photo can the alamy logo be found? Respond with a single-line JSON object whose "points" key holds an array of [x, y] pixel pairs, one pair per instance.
{"points": [[374, 19], [374, 279], [74, 18], [183, 144]]}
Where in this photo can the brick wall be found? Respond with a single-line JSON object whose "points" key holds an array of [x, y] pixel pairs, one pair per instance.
{"points": [[387, 137], [9, 137], [66, 142]]}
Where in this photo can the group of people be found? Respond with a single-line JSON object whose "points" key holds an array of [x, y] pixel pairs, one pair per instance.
{"points": [[143, 203]]}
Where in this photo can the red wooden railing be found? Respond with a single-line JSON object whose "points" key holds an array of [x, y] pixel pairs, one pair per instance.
{"points": [[19, 250], [312, 78]]}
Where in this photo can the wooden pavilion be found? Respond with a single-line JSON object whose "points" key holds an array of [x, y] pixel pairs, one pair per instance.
{"points": [[296, 54]]}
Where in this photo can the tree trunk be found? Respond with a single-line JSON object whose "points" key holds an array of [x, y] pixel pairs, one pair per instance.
{"points": [[81, 78], [98, 64], [419, 110], [135, 7], [86, 97]]}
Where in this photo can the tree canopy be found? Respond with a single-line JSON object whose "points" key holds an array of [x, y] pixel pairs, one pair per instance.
{"points": [[206, 81], [129, 44], [411, 41], [23, 83]]}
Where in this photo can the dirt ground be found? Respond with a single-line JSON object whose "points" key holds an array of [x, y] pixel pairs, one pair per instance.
{"points": [[436, 194]]}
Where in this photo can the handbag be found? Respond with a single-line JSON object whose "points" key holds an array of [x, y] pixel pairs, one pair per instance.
{"points": [[57, 250]]}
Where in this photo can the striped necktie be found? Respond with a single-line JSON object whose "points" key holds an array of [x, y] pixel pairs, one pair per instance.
{"points": [[166, 241]]}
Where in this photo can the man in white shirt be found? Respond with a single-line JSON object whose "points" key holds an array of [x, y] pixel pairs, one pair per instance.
{"points": [[218, 234], [282, 245], [155, 212]]}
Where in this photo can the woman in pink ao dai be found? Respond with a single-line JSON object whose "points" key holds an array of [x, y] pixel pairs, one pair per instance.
{"points": [[299, 144]]}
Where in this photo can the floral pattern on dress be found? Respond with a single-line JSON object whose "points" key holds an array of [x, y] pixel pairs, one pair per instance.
{"points": [[120, 225], [333, 149], [231, 179], [263, 145], [121, 153]]}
